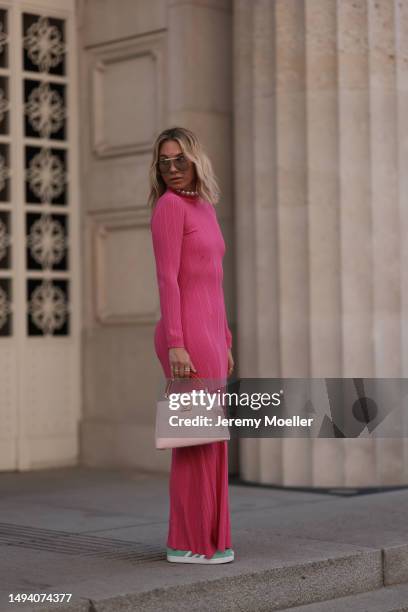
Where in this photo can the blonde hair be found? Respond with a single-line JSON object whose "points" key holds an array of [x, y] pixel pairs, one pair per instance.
{"points": [[206, 185]]}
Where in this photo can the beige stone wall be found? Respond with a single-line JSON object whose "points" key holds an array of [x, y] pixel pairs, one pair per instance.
{"points": [[320, 159], [144, 66], [301, 105]]}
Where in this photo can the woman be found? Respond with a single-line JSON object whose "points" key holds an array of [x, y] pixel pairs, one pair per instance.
{"points": [[192, 335]]}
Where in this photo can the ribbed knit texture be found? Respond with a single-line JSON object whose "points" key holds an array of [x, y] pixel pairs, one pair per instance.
{"points": [[189, 249]]}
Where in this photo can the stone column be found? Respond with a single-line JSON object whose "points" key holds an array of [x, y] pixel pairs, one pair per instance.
{"points": [[320, 140], [401, 57], [322, 125]]}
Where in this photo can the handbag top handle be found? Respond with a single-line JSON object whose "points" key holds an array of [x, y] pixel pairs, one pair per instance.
{"points": [[192, 374]]}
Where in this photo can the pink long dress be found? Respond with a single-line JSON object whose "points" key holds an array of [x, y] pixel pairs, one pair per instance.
{"points": [[189, 249]]}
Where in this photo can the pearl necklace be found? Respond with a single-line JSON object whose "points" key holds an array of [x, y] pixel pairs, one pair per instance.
{"points": [[186, 192]]}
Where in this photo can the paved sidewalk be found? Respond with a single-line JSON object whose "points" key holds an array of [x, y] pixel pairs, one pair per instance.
{"points": [[100, 535]]}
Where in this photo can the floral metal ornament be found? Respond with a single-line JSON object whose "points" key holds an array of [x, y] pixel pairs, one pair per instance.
{"points": [[5, 307], [4, 172], [45, 110], [44, 44], [4, 38], [4, 105], [47, 307], [5, 239], [46, 241], [46, 175]]}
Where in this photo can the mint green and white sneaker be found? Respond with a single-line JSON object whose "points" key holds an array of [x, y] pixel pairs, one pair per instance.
{"points": [[186, 556]]}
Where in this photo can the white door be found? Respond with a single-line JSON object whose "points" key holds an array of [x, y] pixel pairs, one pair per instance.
{"points": [[39, 237]]}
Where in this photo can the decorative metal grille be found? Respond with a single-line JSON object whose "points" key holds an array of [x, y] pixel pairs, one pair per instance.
{"points": [[5, 239], [46, 194], [5, 306], [44, 44], [46, 241], [47, 307], [6, 278], [46, 176], [39, 292]]}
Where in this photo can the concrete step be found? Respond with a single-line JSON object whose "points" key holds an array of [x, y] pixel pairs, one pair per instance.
{"points": [[388, 599], [326, 582], [292, 548]]}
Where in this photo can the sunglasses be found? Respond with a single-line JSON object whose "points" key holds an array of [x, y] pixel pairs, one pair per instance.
{"points": [[181, 162]]}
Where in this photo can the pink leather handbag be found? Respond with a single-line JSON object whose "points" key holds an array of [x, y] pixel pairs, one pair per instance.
{"points": [[207, 427]]}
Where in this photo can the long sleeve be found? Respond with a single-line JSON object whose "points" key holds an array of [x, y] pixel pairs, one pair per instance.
{"points": [[228, 334], [167, 233]]}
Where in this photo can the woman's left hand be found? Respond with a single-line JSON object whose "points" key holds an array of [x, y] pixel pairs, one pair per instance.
{"points": [[230, 362]]}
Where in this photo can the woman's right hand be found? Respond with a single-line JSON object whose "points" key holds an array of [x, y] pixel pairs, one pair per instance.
{"points": [[180, 363]]}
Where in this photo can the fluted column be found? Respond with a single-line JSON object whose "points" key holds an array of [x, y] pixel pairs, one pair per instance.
{"points": [[320, 135], [292, 240], [356, 243], [323, 189], [385, 211], [401, 37], [246, 258]]}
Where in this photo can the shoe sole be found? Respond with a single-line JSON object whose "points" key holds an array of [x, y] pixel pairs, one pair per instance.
{"points": [[216, 561]]}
